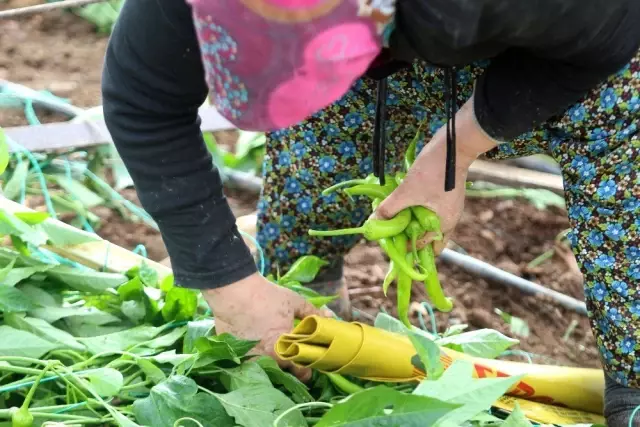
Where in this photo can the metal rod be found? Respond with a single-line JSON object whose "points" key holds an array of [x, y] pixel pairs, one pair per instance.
{"points": [[493, 274], [29, 10], [536, 164]]}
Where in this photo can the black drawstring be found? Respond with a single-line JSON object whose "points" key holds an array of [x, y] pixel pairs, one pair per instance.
{"points": [[379, 131], [450, 102], [380, 74], [379, 128]]}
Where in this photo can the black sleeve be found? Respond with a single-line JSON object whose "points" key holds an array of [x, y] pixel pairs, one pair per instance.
{"points": [[153, 85], [545, 55]]}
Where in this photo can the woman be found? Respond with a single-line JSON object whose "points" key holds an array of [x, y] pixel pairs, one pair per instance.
{"points": [[553, 76]]}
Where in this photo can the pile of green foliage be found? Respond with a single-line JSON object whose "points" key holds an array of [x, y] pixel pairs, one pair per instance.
{"points": [[84, 347]]}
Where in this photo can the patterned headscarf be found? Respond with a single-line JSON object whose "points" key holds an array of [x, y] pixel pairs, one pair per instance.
{"points": [[272, 63]]}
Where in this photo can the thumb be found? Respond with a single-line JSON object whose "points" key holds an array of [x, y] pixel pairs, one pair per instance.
{"points": [[304, 309], [391, 205]]}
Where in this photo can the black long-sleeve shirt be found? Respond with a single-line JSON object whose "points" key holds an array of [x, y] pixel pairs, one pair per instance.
{"points": [[544, 57], [153, 84]]}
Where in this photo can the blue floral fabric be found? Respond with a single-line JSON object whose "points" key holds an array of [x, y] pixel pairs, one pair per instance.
{"points": [[596, 142]]}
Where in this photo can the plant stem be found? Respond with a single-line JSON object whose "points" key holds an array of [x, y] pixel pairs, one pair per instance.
{"points": [[344, 384], [136, 385], [341, 232], [545, 256], [301, 406]]}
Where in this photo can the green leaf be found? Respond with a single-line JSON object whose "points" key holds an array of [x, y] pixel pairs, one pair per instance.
{"points": [[13, 186], [167, 283], [383, 406], [162, 341], [6, 270], [177, 398], [136, 303], [391, 324], [224, 347], [196, 329], [32, 218], [517, 325], [86, 315], [81, 330], [246, 375], [18, 274], [4, 152], [259, 406], [475, 395], [485, 343], [455, 330], [428, 354], [79, 191], [22, 343], [151, 371], [318, 300], [180, 305], [121, 419], [44, 298], [516, 419], [299, 391], [13, 300], [20, 245], [134, 311], [86, 281], [170, 357], [10, 225], [44, 330], [304, 270], [120, 341], [106, 382], [148, 275]]}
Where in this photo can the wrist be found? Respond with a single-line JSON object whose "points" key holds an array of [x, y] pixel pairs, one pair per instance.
{"points": [[472, 141]]}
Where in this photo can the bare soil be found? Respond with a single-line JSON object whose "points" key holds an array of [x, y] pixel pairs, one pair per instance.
{"points": [[60, 52]]}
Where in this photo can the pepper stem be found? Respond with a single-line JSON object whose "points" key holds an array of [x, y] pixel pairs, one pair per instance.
{"points": [[342, 185], [341, 232]]}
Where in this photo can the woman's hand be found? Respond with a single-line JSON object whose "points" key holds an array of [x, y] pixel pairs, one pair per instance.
{"points": [[424, 183], [256, 309]]}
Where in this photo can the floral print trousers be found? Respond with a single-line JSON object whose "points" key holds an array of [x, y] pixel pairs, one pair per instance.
{"points": [[596, 142]]}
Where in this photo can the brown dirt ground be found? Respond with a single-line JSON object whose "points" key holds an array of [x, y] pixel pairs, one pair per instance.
{"points": [[60, 52]]}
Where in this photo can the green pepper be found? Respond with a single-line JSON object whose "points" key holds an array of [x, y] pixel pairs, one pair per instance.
{"points": [[374, 191], [350, 183], [414, 231], [370, 179], [372, 229], [427, 219], [410, 155], [432, 283], [22, 418], [400, 176], [404, 296], [392, 274], [399, 260]]}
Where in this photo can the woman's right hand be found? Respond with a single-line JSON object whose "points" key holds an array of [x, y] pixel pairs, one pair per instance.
{"points": [[424, 183], [256, 309]]}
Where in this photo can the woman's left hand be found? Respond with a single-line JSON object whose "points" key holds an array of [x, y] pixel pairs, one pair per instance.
{"points": [[424, 183]]}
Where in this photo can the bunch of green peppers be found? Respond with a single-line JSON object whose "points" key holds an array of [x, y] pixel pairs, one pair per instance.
{"points": [[398, 237]]}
